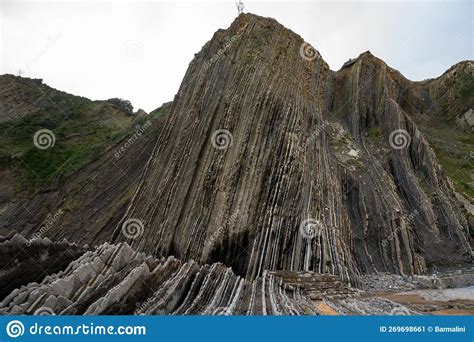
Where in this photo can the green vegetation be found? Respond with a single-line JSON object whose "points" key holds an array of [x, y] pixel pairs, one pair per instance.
{"points": [[125, 105], [375, 132], [459, 170], [465, 86], [453, 145], [83, 130], [156, 113], [62, 159], [453, 148], [424, 184]]}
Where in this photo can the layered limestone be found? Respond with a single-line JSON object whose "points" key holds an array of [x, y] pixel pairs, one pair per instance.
{"points": [[86, 207], [272, 185], [296, 147], [115, 279]]}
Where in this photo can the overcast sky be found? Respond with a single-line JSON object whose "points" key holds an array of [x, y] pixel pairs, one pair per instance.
{"points": [[140, 50]]}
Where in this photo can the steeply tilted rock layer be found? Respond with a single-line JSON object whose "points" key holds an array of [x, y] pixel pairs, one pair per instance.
{"points": [[297, 148], [271, 185], [114, 279]]}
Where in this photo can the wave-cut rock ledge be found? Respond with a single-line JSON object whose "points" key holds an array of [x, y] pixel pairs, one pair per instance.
{"points": [[115, 279]]}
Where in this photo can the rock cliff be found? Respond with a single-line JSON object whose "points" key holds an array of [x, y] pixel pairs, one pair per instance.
{"points": [[269, 183], [269, 161]]}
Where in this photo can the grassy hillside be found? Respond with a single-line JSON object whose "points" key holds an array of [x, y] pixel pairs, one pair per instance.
{"points": [[82, 130]]}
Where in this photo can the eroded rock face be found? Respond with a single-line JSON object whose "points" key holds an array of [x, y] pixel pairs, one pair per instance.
{"points": [[86, 207], [247, 202], [115, 279], [403, 202], [271, 184], [26, 261]]}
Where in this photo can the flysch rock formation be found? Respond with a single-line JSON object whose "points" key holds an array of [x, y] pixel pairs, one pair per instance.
{"points": [[88, 205], [271, 185], [115, 279], [280, 165]]}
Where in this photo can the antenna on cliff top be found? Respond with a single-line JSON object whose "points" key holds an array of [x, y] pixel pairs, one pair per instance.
{"points": [[240, 6]]}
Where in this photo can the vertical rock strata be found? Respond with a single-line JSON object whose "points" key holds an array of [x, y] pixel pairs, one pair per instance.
{"points": [[114, 279], [270, 185], [281, 163], [410, 199]]}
